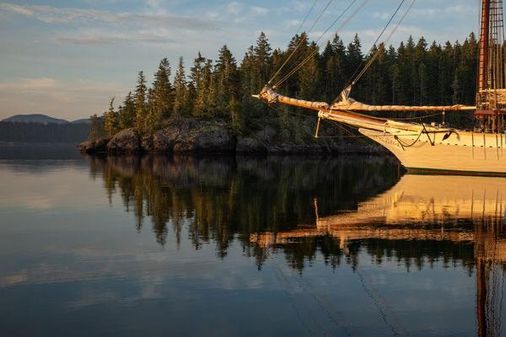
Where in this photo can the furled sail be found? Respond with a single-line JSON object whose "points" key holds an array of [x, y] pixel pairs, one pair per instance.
{"points": [[352, 105]]}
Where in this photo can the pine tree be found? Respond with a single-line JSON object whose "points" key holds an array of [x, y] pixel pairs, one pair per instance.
{"points": [[227, 83], [354, 59], [333, 69], [127, 115], [209, 92], [154, 113], [163, 97], [111, 120], [309, 76], [96, 128], [180, 91], [262, 54], [199, 82], [141, 107]]}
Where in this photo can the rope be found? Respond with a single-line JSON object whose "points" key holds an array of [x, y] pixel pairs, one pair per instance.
{"points": [[300, 65], [356, 77], [381, 307], [417, 118], [300, 42], [302, 318], [411, 144]]}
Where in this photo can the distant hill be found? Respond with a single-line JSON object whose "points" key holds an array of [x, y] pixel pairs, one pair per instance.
{"points": [[82, 121], [38, 128], [35, 118]]}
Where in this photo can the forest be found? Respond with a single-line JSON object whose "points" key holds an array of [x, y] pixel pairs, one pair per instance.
{"points": [[414, 73], [43, 133]]}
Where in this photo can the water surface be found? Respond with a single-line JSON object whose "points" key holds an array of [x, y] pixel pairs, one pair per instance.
{"points": [[279, 246]]}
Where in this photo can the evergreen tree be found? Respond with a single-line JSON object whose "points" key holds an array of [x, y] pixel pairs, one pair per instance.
{"points": [[227, 84], [309, 74], [333, 69], [262, 55], [199, 82], [180, 91], [111, 122], [163, 97], [96, 128], [354, 60], [127, 115], [154, 113], [141, 107]]}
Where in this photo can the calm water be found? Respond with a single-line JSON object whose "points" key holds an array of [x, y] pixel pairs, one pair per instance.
{"points": [[245, 247]]}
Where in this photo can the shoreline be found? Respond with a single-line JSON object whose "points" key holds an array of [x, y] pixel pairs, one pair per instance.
{"points": [[193, 136]]}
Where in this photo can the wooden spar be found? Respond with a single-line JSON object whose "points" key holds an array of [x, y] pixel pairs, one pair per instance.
{"points": [[352, 105], [270, 96], [484, 44]]}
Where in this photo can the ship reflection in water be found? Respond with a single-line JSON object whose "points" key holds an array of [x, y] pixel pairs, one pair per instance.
{"points": [[428, 208]]}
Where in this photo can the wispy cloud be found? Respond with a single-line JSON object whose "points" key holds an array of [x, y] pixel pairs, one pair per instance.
{"points": [[55, 15], [260, 11], [87, 38], [233, 7], [97, 27], [29, 84]]}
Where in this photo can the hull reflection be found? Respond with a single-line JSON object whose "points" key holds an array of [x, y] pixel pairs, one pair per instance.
{"points": [[454, 209], [418, 207]]}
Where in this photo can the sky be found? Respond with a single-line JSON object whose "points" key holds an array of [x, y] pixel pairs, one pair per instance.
{"points": [[68, 58]]}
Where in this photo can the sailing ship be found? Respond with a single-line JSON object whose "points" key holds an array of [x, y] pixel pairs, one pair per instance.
{"points": [[434, 147]]}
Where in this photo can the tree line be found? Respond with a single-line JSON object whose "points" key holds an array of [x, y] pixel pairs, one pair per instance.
{"points": [[414, 73], [43, 133]]}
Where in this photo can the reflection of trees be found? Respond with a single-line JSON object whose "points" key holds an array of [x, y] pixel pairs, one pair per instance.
{"points": [[223, 198], [217, 200], [412, 254]]}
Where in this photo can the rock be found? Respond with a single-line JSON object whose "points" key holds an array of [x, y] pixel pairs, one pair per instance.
{"points": [[147, 143], [205, 137], [125, 141], [249, 145], [215, 139], [164, 140], [94, 146], [85, 147], [266, 135]]}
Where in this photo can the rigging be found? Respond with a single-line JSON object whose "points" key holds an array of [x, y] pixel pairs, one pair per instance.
{"points": [[357, 75], [308, 58]]}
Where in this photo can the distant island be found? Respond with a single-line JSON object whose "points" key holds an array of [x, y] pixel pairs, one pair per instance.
{"points": [[212, 110], [39, 128]]}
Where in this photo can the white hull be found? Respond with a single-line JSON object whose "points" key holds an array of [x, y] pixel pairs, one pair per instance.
{"points": [[463, 151]]}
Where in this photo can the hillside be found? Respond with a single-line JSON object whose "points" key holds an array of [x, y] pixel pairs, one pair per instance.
{"points": [[38, 128], [35, 118]]}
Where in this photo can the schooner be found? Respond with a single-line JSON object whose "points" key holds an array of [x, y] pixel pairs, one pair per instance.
{"points": [[434, 147]]}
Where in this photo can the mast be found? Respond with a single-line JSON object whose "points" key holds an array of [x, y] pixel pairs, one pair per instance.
{"points": [[484, 52], [490, 94]]}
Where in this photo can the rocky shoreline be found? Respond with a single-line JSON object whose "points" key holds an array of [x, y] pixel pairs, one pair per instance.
{"points": [[192, 136]]}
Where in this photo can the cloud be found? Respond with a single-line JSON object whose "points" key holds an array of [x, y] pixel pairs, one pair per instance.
{"points": [[96, 27], [87, 38], [233, 7], [30, 84], [54, 15], [259, 11]]}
